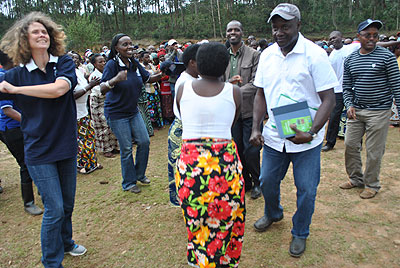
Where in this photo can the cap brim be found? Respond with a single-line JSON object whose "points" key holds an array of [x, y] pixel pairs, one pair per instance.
{"points": [[378, 25], [282, 15]]}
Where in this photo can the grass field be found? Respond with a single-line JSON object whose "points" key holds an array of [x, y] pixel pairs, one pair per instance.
{"points": [[127, 230]]}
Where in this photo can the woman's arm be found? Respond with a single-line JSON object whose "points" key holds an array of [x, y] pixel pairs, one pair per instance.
{"points": [[155, 77], [94, 82], [12, 113], [108, 85], [46, 91]]}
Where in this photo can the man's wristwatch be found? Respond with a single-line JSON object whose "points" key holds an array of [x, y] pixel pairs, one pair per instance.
{"points": [[313, 135]]}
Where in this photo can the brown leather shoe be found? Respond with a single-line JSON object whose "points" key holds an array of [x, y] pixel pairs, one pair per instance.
{"points": [[368, 193], [347, 185]]}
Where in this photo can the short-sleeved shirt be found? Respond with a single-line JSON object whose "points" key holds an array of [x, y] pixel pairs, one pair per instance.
{"points": [[296, 77], [5, 121], [121, 101], [337, 58], [48, 125]]}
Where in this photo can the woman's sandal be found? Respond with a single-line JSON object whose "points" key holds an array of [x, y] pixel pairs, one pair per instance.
{"points": [[85, 171]]}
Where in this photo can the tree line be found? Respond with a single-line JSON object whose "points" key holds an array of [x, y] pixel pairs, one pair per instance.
{"points": [[91, 22]]}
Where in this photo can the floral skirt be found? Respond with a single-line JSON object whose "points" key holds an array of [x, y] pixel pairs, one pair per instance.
{"points": [[86, 145], [211, 192]]}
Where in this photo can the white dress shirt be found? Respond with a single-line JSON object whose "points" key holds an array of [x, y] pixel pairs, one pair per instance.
{"points": [[298, 76]]}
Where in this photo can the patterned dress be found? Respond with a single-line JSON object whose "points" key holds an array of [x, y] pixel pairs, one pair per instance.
{"points": [[211, 191], [144, 111], [153, 99], [86, 158], [86, 146], [174, 150], [105, 139]]}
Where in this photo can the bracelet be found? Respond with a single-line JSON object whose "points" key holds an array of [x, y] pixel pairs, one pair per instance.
{"points": [[84, 89], [108, 84]]}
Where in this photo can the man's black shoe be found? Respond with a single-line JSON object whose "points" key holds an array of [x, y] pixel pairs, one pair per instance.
{"points": [[297, 246], [326, 148], [263, 223], [255, 192]]}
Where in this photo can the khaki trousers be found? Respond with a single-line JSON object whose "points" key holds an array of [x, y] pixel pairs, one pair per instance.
{"points": [[375, 125]]}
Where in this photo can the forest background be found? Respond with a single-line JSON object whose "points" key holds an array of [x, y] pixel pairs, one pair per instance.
{"points": [[92, 23]]}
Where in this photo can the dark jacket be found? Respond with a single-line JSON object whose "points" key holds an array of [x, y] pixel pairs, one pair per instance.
{"points": [[247, 67]]}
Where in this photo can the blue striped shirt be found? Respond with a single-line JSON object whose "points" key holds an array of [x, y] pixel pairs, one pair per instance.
{"points": [[371, 81]]}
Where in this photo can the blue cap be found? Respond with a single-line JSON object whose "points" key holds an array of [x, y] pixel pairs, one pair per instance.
{"points": [[363, 25]]}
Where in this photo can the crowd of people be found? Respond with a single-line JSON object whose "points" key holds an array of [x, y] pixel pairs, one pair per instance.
{"points": [[59, 111]]}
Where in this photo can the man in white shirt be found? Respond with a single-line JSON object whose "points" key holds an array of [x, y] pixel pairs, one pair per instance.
{"points": [[337, 57], [292, 70]]}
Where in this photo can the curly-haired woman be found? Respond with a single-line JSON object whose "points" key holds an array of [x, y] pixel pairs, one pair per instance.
{"points": [[42, 87]]}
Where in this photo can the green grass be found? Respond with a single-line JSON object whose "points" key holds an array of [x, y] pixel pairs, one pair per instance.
{"points": [[121, 229]]}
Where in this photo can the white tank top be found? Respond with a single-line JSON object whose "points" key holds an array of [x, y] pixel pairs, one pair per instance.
{"points": [[210, 117]]}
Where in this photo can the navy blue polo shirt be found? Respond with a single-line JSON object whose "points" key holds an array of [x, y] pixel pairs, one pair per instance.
{"points": [[121, 101], [48, 125]]}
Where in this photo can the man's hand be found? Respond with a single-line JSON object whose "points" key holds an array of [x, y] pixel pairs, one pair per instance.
{"points": [[256, 138], [236, 79], [301, 137], [351, 113]]}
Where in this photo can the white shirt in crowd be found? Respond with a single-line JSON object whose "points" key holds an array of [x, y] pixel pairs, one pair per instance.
{"points": [[337, 58], [81, 109], [96, 89], [299, 76], [181, 81]]}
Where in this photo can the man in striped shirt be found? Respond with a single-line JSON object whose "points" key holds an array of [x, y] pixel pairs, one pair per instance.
{"points": [[371, 79]]}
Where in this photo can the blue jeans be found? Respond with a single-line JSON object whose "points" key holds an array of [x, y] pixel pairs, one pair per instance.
{"points": [[127, 130], [56, 183], [306, 171]]}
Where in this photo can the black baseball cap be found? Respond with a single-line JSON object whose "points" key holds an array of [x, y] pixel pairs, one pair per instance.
{"points": [[363, 25]]}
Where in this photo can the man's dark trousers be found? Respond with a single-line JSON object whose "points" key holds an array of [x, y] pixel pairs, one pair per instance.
{"points": [[13, 139], [334, 120], [249, 154]]}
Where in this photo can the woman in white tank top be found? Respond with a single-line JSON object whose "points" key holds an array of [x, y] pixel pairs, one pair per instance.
{"points": [[209, 173]]}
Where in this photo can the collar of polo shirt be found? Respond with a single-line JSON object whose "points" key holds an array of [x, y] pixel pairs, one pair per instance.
{"points": [[30, 66]]}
